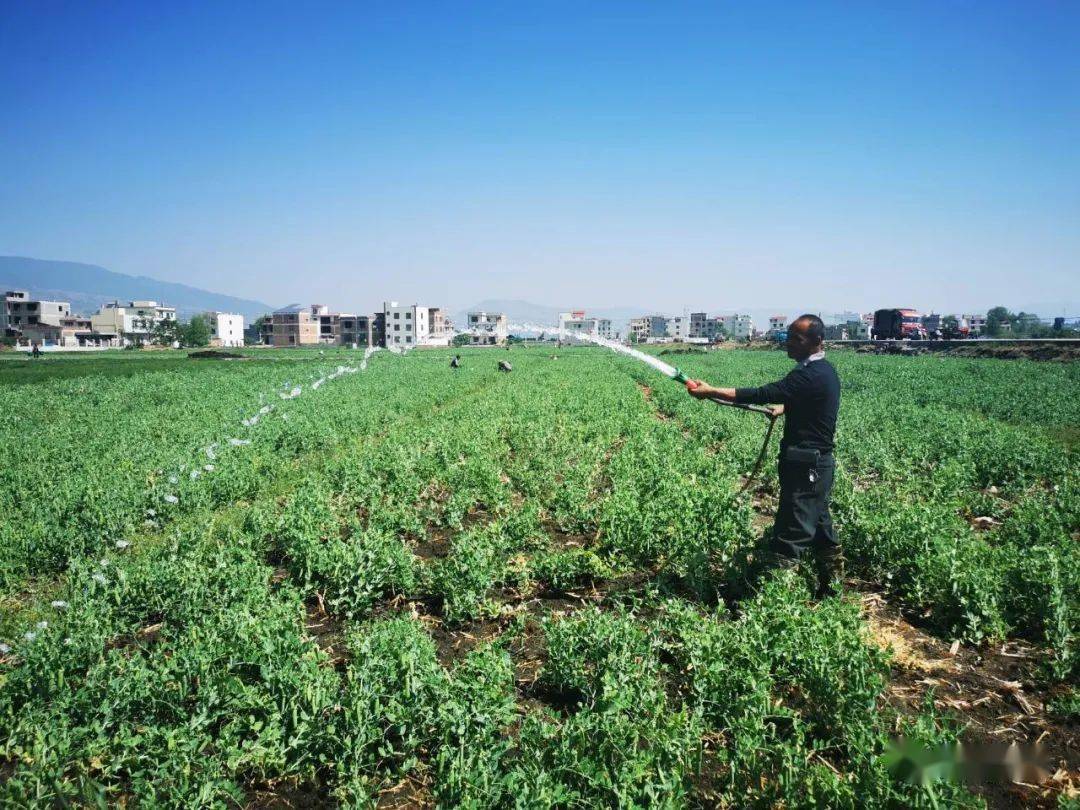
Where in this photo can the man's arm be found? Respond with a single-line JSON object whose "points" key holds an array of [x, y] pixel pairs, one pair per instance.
{"points": [[702, 390], [782, 391]]}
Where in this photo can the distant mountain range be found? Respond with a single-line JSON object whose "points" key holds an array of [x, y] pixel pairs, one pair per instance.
{"points": [[88, 286]]}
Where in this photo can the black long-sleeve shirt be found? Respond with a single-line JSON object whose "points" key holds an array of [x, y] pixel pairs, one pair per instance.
{"points": [[810, 395]]}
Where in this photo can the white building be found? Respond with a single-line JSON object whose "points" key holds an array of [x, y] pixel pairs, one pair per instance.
{"points": [[976, 324], [678, 327], [737, 326], [777, 323], [226, 328], [487, 328], [134, 321], [577, 322], [414, 325]]}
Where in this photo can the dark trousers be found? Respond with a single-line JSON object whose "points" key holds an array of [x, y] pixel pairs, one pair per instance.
{"points": [[803, 522]]}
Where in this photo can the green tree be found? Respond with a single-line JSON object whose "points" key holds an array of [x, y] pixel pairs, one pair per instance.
{"points": [[994, 319], [253, 334], [196, 332], [164, 332], [1027, 323], [461, 339]]}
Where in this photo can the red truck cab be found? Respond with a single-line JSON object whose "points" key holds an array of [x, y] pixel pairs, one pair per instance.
{"points": [[911, 327], [898, 324]]}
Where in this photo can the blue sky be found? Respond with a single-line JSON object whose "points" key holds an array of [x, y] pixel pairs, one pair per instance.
{"points": [[720, 155]]}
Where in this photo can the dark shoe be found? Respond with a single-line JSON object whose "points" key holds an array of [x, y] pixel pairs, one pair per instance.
{"points": [[830, 573]]}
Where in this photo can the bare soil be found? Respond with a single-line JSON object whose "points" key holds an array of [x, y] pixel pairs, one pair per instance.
{"points": [[993, 690]]}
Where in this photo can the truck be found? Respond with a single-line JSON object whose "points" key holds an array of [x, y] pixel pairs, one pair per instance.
{"points": [[951, 331], [897, 324]]}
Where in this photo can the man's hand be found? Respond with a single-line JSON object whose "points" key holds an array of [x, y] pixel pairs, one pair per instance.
{"points": [[776, 410], [702, 390], [698, 389]]}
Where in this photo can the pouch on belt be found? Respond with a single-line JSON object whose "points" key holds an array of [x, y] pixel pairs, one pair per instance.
{"points": [[804, 457]]}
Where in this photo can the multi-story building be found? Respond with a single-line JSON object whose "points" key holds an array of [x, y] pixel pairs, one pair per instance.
{"points": [[976, 324], [266, 331], [639, 330], [678, 327], [226, 328], [10, 298], [777, 324], [295, 326], [368, 330], [576, 322], [738, 326], [699, 325], [414, 325], [658, 326], [487, 328], [21, 311], [348, 330], [714, 329], [134, 321], [400, 329], [344, 328]]}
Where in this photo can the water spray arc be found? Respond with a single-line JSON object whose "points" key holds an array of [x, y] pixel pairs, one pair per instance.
{"points": [[668, 371]]}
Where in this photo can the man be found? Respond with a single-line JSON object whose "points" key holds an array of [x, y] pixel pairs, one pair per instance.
{"points": [[456, 361], [809, 397], [504, 365]]}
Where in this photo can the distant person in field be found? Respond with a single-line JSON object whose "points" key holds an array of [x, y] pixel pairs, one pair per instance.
{"points": [[504, 365], [455, 362], [809, 397]]}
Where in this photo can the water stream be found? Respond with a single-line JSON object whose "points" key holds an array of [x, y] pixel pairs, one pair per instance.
{"points": [[564, 334]]}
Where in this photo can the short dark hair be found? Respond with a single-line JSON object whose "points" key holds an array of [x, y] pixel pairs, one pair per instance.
{"points": [[815, 327]]}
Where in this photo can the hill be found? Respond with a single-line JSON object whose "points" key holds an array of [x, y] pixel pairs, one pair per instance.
{"points": [[88, 286]]}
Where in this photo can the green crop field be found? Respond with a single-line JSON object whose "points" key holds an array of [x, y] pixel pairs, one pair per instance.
{"points": [[289, 581]]}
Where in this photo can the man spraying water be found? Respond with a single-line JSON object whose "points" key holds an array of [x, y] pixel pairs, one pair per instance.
{"points": [[809, 397]]}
